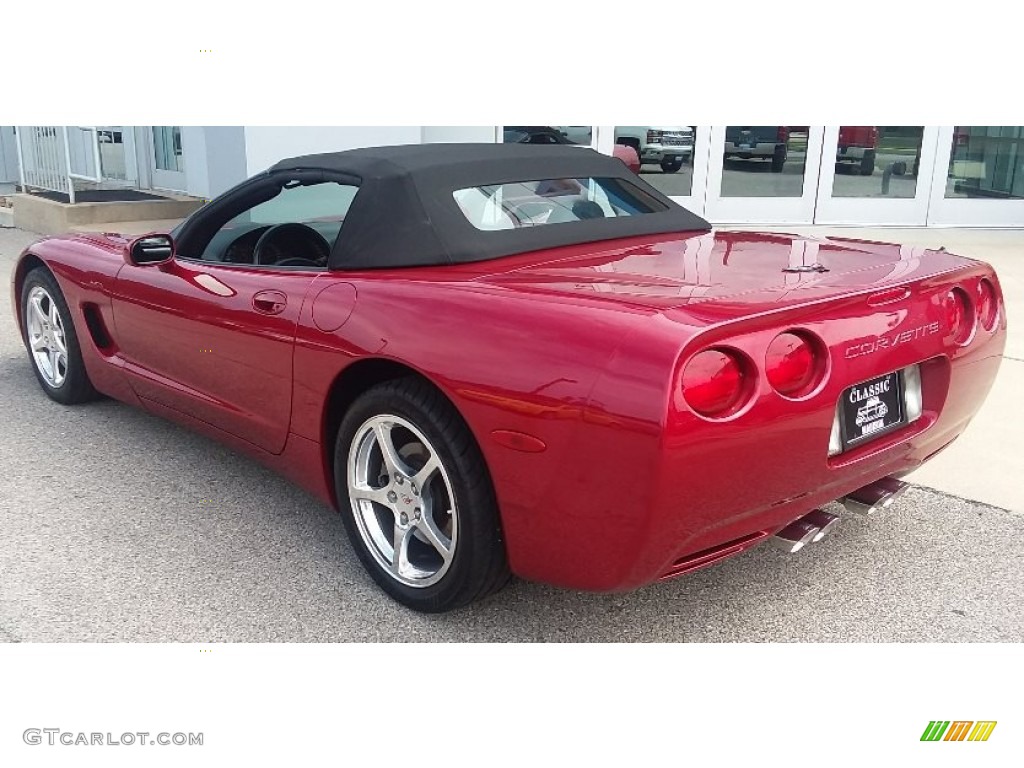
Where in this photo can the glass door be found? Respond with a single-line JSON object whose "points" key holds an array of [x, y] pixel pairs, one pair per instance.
{"points": [[168, 159], [978, 179], [876, 174], [763, 174], [673, 158]]}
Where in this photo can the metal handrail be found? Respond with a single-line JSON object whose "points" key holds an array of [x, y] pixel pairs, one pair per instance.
{"points": [[45, 159]]}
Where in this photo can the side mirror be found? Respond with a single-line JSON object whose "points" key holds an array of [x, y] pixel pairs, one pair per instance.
{"points": [[150, 249]]}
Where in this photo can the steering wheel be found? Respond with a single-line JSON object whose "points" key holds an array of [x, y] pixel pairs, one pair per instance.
{"points": [[276, 238], [298, 261]]}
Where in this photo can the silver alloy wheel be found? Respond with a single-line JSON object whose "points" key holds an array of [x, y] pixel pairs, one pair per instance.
{"points": [[402, 500], [46, 336]]}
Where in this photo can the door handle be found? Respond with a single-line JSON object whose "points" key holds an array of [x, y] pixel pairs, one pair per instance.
{"points": [[269, 302]]}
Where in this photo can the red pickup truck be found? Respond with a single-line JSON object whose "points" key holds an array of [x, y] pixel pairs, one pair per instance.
{"points": [[857, 144]]}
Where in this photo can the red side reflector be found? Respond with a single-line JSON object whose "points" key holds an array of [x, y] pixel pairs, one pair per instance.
{"points": [[518, 441], [988, 305], [959, 316]]}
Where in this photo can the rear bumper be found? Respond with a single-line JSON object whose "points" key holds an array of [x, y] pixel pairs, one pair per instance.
{"points": [[852, 153], [655, 153], [714, 502], [642, 501], [901, 454], [761, 149]]}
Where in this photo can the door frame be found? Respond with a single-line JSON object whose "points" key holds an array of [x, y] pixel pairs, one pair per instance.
{"points": [[762, 210], [965, 212], [876, 211]]}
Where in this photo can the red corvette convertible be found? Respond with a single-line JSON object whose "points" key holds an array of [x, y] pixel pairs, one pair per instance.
{"points": [[504, 359]]}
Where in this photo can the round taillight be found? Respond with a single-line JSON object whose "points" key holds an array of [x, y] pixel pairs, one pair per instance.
{"points": [[959, 316], [714, 382], [792, 364], [988, 305]]}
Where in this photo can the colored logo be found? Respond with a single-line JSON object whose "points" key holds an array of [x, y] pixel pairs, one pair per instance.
{"points": [[958, 730]]}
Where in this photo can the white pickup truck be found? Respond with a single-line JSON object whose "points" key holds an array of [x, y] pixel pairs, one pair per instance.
{"points": [[669, 146]]}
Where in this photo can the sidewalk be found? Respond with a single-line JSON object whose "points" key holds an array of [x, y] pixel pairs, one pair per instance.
{"points": [[132, 227]]}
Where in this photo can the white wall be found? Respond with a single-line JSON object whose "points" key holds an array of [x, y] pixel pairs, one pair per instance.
{"points": [[264, 145], [214, 158], [225, 153], [8, 155], [196, 161]]}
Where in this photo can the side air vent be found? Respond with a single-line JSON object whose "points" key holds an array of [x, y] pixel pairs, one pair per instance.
{"points": [[98, 329]]}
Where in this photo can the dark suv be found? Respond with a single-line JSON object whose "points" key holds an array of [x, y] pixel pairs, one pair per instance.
{"points": [[765, 142]]}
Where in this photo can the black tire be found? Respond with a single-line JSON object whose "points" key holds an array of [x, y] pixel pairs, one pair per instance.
{"points": [[867, 163], [75, 388], [779, 160], [479, 565], [671, 166]]}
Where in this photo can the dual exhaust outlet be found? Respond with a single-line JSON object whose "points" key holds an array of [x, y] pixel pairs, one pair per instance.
{"points": [[816, 524]]}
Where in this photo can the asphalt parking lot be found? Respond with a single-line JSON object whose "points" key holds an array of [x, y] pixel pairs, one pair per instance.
{"points": [[117, 526]]}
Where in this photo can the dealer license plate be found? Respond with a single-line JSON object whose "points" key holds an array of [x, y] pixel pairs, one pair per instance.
{"points": [[872, 408]]}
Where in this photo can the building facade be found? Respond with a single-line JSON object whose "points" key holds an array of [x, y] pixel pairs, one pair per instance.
{"points": [[771, 175]]}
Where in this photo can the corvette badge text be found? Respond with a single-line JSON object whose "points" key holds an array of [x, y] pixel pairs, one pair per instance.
{"points": [[55, 736], [890, 342], [958, 730]]}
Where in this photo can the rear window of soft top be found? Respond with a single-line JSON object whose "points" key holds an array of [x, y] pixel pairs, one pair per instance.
{"points": [[513, 205]]}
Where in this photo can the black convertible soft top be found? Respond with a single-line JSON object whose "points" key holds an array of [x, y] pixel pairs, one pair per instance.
{"points": [[405, 214]]}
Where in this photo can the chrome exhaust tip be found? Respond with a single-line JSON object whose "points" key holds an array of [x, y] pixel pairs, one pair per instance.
{"points": [[876, 497], [825, 521], [795, 536]]}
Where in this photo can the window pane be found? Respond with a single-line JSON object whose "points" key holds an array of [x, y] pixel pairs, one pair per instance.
{"points": [[328, 202], [320, 207], [167, 148], [112, 152], [877, 161], [764, 161], [665, 152], [577, 134], [582, 135], [987, 161], [551, 201]]}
